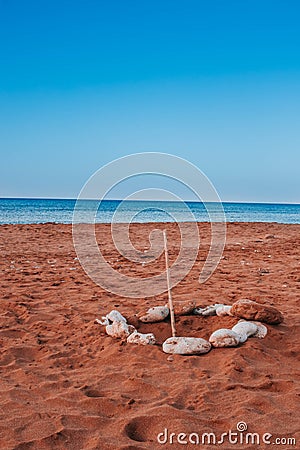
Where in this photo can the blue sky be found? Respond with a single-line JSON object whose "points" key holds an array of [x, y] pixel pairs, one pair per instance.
{"points": [[215, 82]]}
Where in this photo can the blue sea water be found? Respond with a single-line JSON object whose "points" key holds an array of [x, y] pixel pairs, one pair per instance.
{"points": [[26, 211]]}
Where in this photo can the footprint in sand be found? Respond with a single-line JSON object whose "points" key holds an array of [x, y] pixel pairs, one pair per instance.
{"points": [[138, 429], [94, 393]]}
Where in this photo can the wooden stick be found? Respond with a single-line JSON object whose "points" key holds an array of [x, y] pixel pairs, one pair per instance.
{"points": [[172, 315]]}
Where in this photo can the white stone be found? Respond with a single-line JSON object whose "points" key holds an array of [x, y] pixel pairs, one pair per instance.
{"points": [[155, 314], [186, 346], [116, 325], [207, 311], [244, 330], [262, 330], [116, 316], [223, 310], [224, 338], [141, 339], [119, 330]]}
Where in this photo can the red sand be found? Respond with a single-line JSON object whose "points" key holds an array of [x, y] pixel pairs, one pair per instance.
{"points": [[66, 385]]}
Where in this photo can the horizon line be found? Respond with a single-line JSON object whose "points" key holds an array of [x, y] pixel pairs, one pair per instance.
{"points": [[151, 200]]}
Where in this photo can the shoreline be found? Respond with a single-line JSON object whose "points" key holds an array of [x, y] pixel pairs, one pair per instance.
{"points": [[147, 223]]}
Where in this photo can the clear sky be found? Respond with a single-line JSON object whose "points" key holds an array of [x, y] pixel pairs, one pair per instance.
{"points": [[216, 82]]}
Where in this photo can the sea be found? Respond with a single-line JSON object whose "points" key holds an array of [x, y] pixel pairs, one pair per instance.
{"points": [[30, 211]]}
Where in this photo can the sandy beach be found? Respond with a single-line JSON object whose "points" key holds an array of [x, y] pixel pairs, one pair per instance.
{"points": [[65, 384]]}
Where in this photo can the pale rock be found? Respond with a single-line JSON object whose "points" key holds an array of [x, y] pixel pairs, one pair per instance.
{"points": [[224, 338], [186, 346], [141, 339], [155, 314]]}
